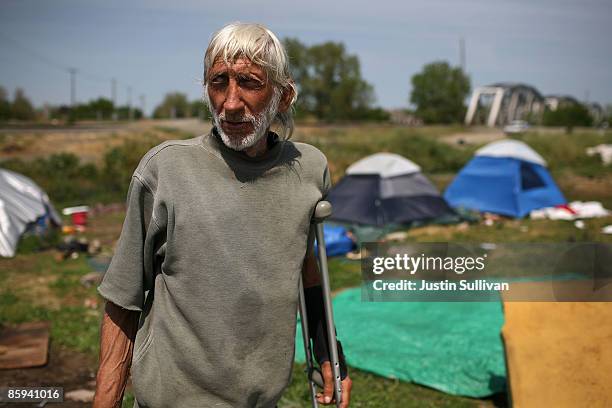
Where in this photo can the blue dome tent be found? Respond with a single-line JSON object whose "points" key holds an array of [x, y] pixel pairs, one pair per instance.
{"points": [[506, 177]]}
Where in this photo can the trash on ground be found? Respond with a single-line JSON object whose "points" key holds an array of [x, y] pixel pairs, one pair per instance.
{"points": [[81, 395], [90, 279], [572, 211], [71, 246], [603, 150], [78, 214]]}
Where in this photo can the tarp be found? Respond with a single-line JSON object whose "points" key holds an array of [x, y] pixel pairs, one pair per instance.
{"points": [[21, 202], [452, 347], [337, 242], [559, 353]]}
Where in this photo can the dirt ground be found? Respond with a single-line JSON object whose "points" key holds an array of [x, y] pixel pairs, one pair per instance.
{"points": [[86, 141], [474, 137], [65, 368]]}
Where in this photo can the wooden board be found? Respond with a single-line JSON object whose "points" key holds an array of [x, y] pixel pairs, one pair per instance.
{"points": [[559, 354], [25, 345]]}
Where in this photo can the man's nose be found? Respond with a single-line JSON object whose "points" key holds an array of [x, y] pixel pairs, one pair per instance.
{"points": [[233, 104]]}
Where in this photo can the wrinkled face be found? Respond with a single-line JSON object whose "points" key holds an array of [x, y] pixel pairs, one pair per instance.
{"points": [[242, 100]]}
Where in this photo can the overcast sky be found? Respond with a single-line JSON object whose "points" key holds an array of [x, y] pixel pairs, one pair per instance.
{"points": [[558, 46]]}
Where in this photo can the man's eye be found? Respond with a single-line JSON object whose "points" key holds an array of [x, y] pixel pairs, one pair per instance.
{"points": [[219, 80], [250, 83]]}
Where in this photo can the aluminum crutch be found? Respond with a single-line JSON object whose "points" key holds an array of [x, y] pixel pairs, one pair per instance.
{"points": [[322, 211], [314, 377]]}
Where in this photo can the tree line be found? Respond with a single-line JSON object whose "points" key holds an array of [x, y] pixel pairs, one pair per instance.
{"points": [[331, 89], [21, 108]]}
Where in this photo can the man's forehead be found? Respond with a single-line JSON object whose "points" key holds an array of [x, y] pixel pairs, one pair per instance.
{"points": [[238, 64]]}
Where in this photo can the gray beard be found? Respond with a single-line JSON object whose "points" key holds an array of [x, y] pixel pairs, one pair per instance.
{"points": [[261, 123]]}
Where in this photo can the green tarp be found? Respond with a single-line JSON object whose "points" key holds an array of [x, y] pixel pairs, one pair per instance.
{"points": [[452, 347]]}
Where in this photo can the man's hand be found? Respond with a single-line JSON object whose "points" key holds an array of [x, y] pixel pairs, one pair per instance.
{"points": [[327, 397]]}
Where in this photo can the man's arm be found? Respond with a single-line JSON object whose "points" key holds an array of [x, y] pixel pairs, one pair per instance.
{"points": [[311, 279], [116, 346]]}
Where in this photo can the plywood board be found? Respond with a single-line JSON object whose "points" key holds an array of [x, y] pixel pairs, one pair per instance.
{"points": [[25, 345]]}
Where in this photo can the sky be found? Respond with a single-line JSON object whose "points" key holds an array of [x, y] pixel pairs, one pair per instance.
{"points": [[558, 46]]}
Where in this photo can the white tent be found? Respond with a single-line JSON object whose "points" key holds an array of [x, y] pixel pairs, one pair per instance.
{"points": [[511, 148], [384, 165], [21, 202]]}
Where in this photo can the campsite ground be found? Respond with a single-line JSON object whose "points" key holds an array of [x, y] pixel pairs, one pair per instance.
{"points": [[39, 285]]}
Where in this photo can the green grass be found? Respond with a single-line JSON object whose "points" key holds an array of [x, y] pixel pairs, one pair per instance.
{"points": [[34, 286], [371, 391], [567, 152], [344, 146], [178, 133]]}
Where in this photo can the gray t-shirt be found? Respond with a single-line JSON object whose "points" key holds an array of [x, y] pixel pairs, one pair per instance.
{"points": [[211, 251]]}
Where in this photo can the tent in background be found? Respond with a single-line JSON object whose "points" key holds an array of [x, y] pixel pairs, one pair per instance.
{"points": [[337, 241], [22, 203], [385, 188], [505, 177]]}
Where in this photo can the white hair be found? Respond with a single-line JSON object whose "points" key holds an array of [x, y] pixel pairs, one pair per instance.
{"points": [[262, 47]]}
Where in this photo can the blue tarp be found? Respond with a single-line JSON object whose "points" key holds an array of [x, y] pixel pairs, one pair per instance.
{"points": [[337, 241], [503, 185]]}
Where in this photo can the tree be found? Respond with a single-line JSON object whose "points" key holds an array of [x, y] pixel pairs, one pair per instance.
{"points": [[174, 105], [123, 112], [568, 116], [97, 109], [21, 108], [438, 93], [5, 105], [329, 82], [199, 109]]}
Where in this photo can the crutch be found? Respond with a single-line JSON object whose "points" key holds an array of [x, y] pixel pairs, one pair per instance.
{"points": [[322, 211]]}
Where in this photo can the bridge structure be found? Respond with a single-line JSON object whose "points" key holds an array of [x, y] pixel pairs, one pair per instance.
{"points": [[501, 103]]}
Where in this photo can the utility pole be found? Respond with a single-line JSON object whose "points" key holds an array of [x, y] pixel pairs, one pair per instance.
{"points": [[73, 73], [129, 89], [462, 54], [142, 104], [114, 91], [114, 97]]}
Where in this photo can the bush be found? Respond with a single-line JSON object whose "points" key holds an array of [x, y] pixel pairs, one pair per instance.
{"points": [[68, 182], [568, 116]]}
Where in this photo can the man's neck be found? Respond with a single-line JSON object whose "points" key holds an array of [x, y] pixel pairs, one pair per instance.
{"points": [[259, 148]]}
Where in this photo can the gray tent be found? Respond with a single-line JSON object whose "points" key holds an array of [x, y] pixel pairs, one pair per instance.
{"points": [[22, 203], [383, 189]]}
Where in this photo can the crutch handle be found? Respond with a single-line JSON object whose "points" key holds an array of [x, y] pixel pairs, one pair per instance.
{"points": [[322, 211]]}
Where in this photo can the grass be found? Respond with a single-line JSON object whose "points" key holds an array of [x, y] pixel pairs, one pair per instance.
{"points": [[36, 286], [177, 133], [344, 146]]}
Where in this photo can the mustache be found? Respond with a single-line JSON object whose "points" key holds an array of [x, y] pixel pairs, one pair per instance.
{"points": [[242, 118]]}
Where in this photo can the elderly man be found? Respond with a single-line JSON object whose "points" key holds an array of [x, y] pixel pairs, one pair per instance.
{"points": [[202, 289]]}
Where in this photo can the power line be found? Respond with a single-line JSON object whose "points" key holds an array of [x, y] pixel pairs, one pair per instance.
{"points": [[72, 71]]}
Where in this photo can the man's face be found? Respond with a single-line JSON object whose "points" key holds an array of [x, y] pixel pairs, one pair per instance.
{"points": [[243, 102]]}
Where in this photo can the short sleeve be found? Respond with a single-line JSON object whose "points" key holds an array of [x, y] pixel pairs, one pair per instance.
{"points": [[125, 281], [326, 186]]}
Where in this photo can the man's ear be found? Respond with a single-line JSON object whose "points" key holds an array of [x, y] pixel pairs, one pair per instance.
{"points": [[286, 97]]}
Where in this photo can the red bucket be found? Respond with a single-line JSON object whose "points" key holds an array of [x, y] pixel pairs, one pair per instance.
{"points": [[77, 214], [79, 218]]}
